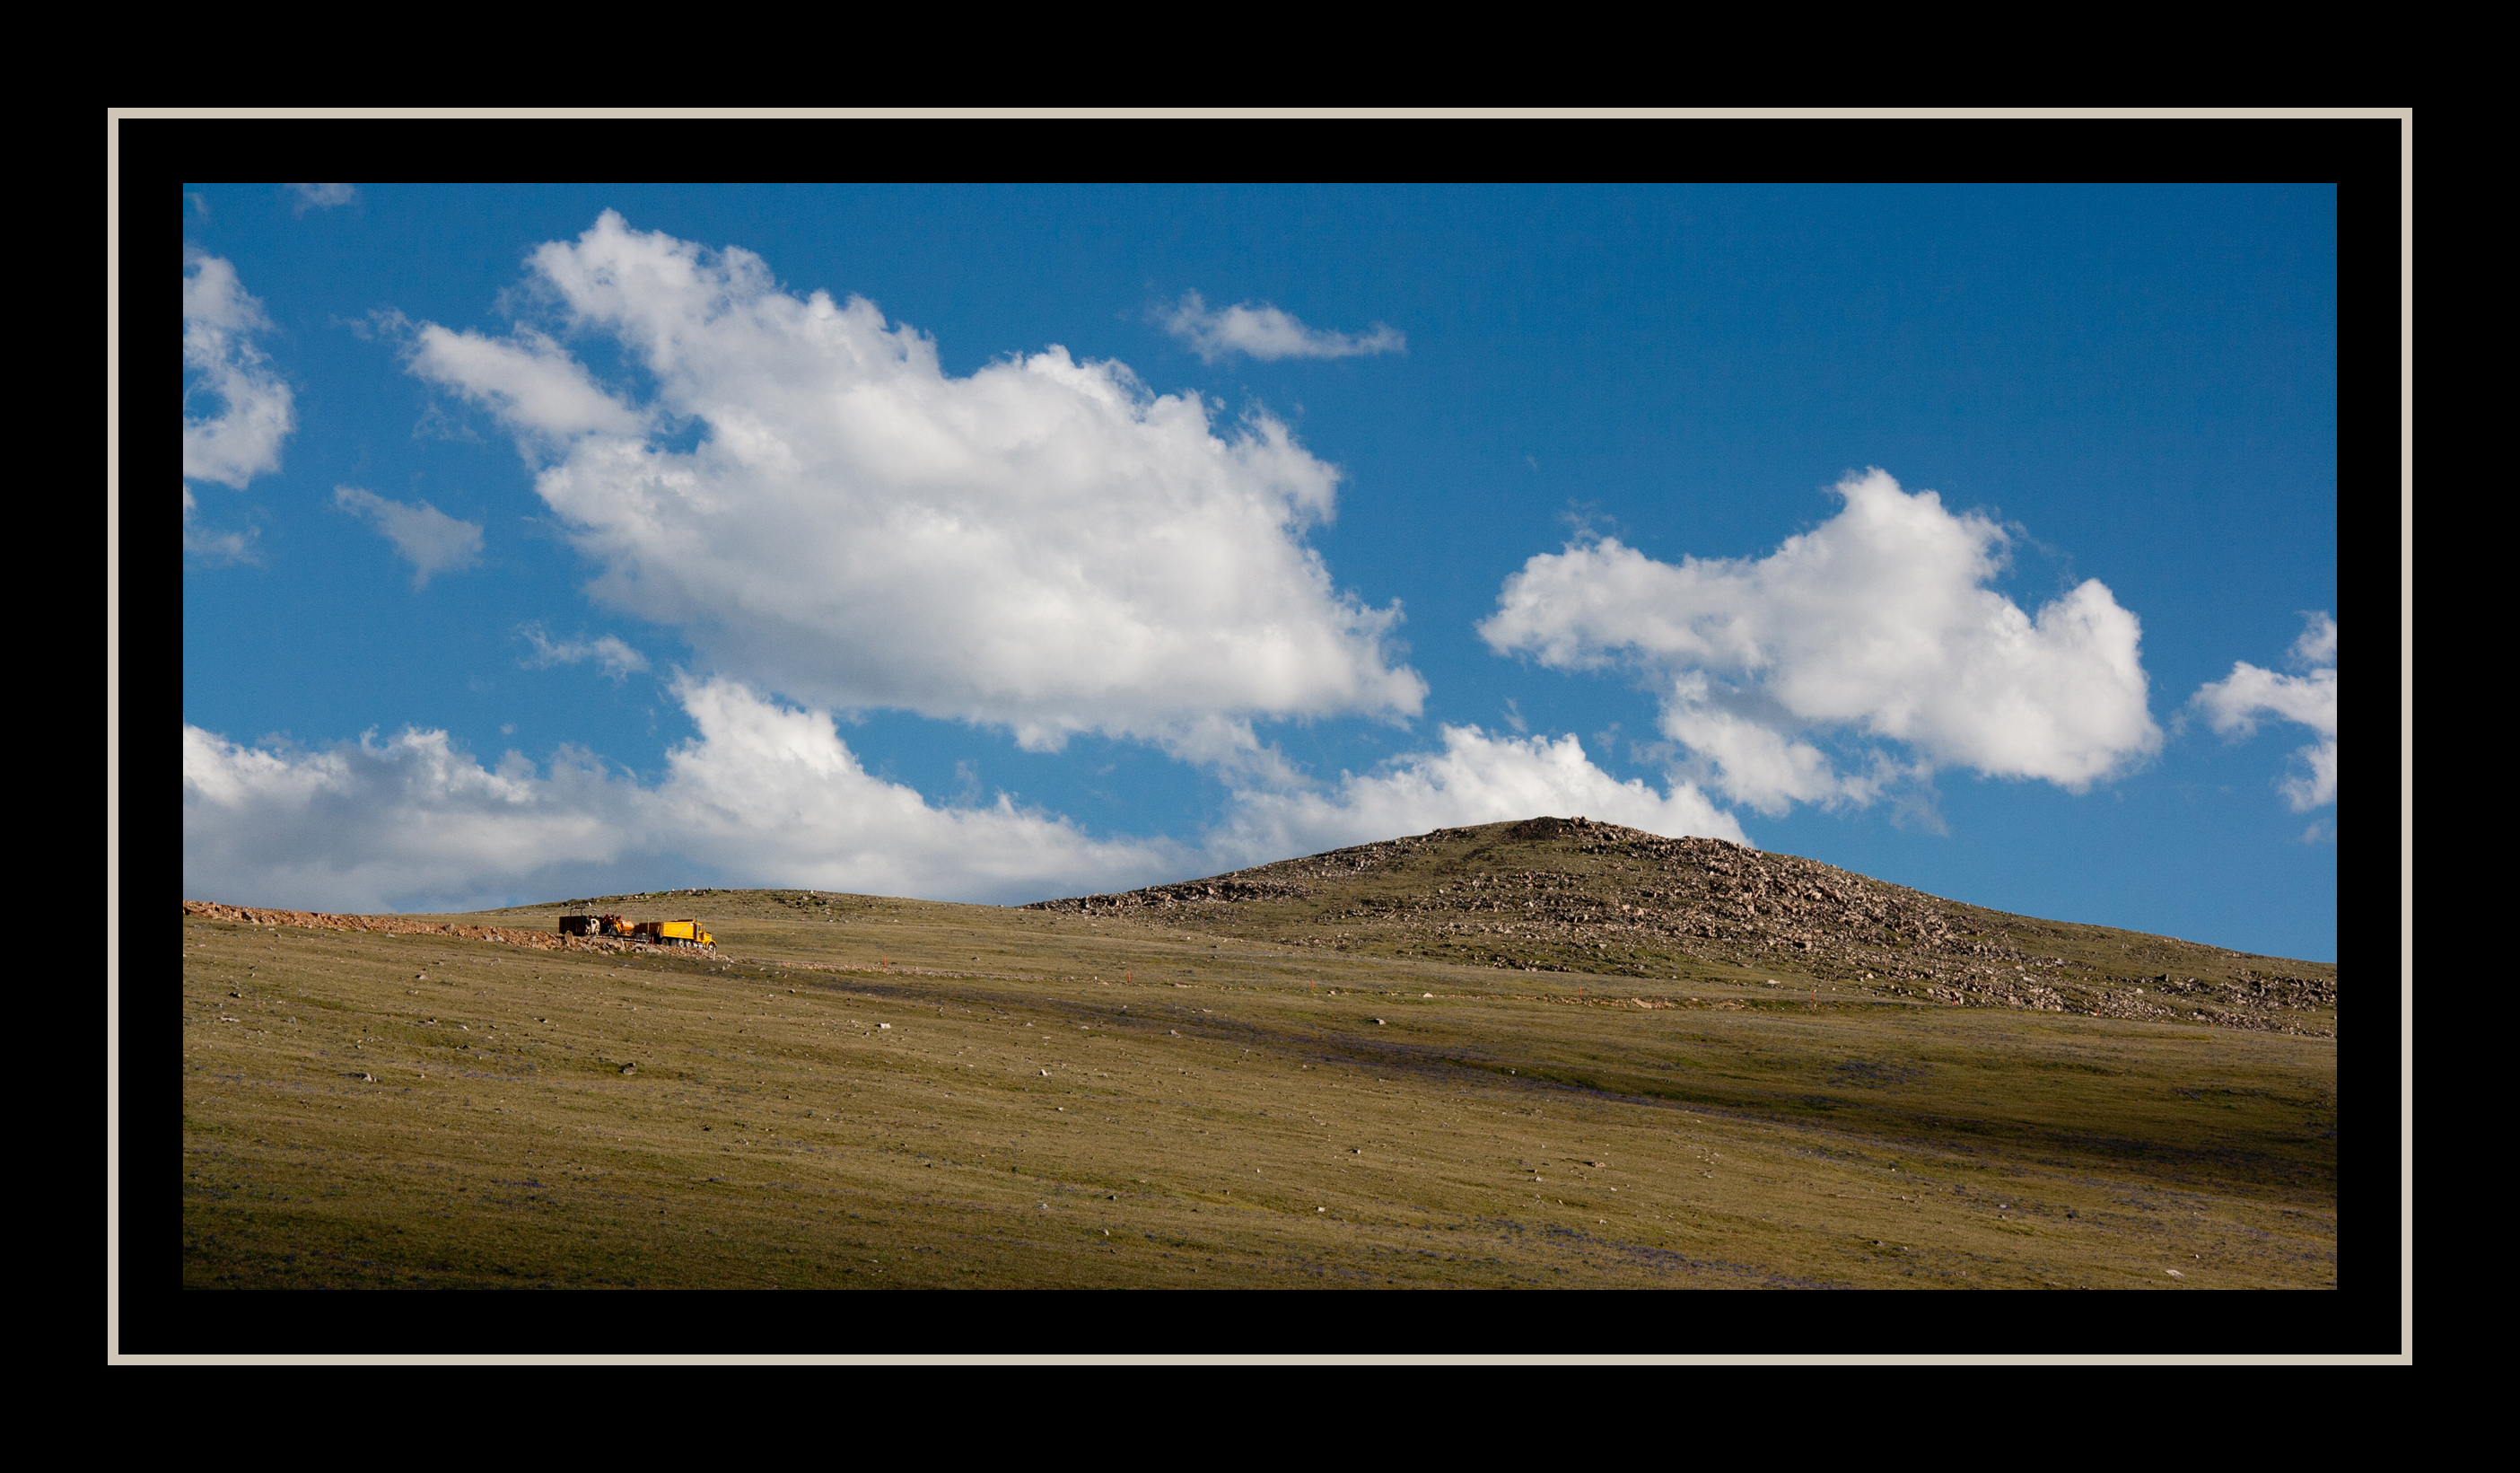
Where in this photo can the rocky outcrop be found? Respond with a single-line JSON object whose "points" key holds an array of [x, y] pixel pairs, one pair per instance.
{"points": [[1576, 895]]}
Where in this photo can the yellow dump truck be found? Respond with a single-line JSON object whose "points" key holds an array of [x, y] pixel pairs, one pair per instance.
{"points": [[683, 932]]}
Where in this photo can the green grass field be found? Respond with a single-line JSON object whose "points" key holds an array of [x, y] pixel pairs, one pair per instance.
{"points": [[871, 1092]]}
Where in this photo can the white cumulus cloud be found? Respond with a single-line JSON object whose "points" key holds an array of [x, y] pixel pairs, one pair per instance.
{"points": [[322, 196], [1267, 332], [1874, 627], [769, 794], [1477, 778], [405, 823], [767, 790], [428, 539], [2234, 703], [764, 794], [1042, 545], [529, 381], [210, 546], [255, 409], [615, 655]]}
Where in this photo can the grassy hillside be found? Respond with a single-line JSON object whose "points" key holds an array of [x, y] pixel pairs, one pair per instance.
{"points": [[858, 1091]]}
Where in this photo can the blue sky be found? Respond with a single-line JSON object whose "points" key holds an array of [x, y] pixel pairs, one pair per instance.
{"points": [[1000, 543]]}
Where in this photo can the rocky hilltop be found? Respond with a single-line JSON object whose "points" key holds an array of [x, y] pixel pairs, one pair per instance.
{"points": [[1570, 894]]}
